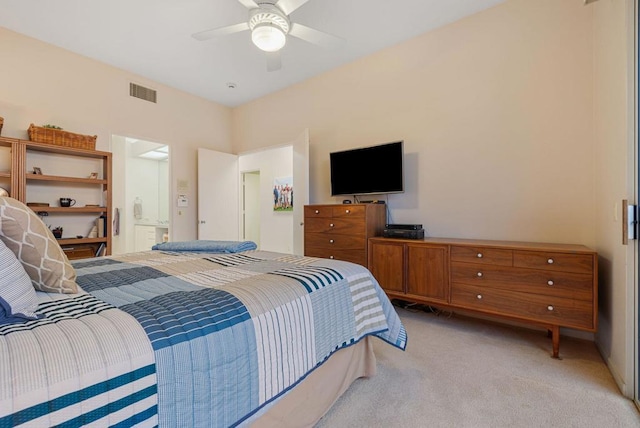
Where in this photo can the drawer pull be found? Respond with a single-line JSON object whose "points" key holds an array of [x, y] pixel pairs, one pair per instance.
{"points": [[550, 282], [317, 212], [479, 255], [347, 211], [550, 261], [479, 274], [331, 225], [550, 308], [479, 296], [331, 257], [331, 241]]}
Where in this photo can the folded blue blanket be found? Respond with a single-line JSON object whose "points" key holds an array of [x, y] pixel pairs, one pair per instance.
{"points": [[206, 246]]}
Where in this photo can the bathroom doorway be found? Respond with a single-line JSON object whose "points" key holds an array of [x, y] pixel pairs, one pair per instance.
{"points": [[140, 194]]}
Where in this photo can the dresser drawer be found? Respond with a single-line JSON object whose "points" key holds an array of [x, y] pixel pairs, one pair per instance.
{"points": [[533, 307], [347, 210], [353, 256], [333, 240], [317, 211], [549, 283], [492, 256], [341, 225], [578, 263]]}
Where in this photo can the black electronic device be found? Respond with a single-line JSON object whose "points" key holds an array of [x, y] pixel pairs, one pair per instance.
{"points": [[346, 201], [368, 171], [403, 233], [404, 226]]}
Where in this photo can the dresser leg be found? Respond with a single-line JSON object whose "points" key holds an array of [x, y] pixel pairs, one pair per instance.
{"points": [[555, 340]]}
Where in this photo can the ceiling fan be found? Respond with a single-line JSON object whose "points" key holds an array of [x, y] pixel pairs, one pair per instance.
{"points": [[270, 25]]}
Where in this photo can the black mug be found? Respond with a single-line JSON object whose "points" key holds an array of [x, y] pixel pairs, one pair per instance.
{"points": [[67, 202]]}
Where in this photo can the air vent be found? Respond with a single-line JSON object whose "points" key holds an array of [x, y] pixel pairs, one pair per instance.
{"points": [[142, 93]]}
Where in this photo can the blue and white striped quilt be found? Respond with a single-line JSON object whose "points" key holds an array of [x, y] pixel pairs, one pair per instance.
{"points": [[85, 363], [230, 333]]}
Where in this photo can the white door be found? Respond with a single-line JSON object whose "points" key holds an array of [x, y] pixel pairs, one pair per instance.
{"points": [[218, 197], [301, 189]]}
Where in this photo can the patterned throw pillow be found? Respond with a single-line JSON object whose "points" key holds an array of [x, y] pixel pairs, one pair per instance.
{"points": [[18, 300], [35, 246]]}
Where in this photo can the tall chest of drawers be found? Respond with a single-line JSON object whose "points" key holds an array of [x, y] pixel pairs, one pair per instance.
{"points": [[341, 231], [552, 285]]}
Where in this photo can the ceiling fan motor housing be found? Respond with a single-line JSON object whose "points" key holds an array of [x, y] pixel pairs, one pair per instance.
{"points": [[268, 14]]}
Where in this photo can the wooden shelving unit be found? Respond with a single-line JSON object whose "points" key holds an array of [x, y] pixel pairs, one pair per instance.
{"points": [[20, 180]]}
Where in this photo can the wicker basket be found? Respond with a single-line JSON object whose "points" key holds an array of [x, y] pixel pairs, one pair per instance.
{"points": [[59, 137]]}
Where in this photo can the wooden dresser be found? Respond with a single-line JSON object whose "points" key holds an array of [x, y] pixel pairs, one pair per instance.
{"points": [[552, 285], [341, 231]]}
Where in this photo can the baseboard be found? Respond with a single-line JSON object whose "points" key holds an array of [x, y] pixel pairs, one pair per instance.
{"points": [[619, 380]]}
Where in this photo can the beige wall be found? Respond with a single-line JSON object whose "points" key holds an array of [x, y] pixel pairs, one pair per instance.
{"points": [[40, 83], [614, 153], [495, 111], [516, 126]]}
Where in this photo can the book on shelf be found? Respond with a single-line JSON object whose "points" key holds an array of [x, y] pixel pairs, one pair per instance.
{"points": [[101, 250], [101, 225]]}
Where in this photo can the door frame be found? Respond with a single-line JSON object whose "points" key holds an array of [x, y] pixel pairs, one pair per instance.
{"points": [[634, 268]]}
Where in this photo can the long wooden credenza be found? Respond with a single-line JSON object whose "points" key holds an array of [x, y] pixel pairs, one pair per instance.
{"points": [[549, 285]]}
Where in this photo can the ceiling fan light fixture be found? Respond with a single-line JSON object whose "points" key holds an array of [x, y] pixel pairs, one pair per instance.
{"points": [[268, 37]]}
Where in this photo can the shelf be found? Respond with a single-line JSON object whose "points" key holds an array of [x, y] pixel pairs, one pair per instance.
{"points": [[50, 148], [60, 179], [70, 210], [93, 189]]}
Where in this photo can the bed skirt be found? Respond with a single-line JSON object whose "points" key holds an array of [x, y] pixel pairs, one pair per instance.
{"points": [[305, 404]]}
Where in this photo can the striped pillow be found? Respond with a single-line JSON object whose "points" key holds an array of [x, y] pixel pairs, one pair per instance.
{"points": [[18, 300], [36, 248]]}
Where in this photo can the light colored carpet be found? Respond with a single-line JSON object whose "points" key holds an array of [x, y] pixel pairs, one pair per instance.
{"points": [[464, 372]]}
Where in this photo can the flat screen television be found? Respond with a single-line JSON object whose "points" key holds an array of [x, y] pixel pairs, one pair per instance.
{"points": [[368, 170]]}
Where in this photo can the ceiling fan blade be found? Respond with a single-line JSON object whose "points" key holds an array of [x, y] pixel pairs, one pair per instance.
{"points": [[249, 4], [222, 31], [316, 37], [274, 61], [288, 6]]}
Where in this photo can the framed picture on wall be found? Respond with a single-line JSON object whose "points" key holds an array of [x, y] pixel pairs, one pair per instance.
{"points": [[283, 194]]}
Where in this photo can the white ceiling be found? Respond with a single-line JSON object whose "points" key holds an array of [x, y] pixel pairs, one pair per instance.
{"points": [[152, 38]]}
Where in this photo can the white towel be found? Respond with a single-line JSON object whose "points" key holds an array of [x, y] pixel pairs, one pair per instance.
{"points": [[137, 210]]}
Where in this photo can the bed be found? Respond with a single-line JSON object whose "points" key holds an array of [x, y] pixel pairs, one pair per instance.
{"points": [[191, 338]]}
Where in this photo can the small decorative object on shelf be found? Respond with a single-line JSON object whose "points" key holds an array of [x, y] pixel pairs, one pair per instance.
{"points": [[1, 123], [94, 175], [57, 231], [50, 134], [67, 202], [37, 170]]}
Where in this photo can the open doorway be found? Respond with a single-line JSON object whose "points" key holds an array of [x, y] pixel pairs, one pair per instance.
{"points": [[251, 206], [140, 194]]}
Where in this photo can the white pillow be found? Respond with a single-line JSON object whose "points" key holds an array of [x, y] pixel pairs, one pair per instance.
{"points": [[18, 300]]}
